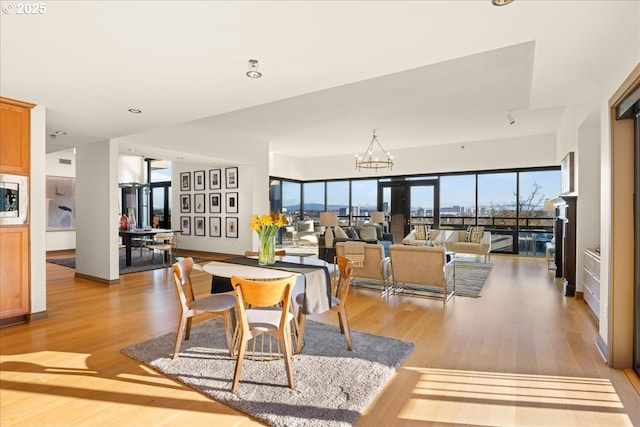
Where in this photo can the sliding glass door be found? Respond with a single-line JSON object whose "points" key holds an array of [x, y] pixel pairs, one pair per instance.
{"points": [[409, 203]]}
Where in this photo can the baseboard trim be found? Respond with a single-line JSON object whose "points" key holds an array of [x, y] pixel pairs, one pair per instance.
{"points": [[633, 378], [14, 320], [602, 348], [34, 317], [98, 279]]}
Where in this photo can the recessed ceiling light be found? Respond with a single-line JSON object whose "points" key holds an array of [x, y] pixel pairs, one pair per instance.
{"points": [[132, 150], [501, 2], [253, 69], [180, 158], [135, 111], [60, 132]]}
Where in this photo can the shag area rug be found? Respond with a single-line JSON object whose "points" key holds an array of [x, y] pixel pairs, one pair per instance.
{"points": [[138, 263], [333, 386], [470, 278]]}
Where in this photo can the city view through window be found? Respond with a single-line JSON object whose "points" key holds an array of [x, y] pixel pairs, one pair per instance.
{"points": [[511, 204]]}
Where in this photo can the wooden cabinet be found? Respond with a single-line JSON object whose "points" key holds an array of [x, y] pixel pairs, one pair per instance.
{"points": [[15, 136], [15, 149], [591, 280]]}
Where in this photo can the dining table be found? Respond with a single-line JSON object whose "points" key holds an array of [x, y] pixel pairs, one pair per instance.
{"points": [[312, 273], [129, 235], [313, 278]]}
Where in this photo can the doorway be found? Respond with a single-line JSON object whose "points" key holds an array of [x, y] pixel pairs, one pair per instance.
{"points": [[409, 203]]}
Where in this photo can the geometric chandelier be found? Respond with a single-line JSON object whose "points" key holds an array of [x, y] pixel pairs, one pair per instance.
{"points": [[368, 161]]}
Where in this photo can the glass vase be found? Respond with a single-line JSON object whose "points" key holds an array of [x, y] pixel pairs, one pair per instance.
{"points": [[267, 253]]}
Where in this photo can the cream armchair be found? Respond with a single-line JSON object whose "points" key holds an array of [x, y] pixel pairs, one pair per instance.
{"points": [[421, 266], [373, 266], [456, 243]]}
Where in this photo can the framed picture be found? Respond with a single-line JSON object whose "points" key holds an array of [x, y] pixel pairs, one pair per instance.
{"points": [[185, 181], [199, 226], [61, 202], [185, 203], [198, 180], [566, 169], [214, 202], [214, 179], [214, 226], [232, 227], [185, 225], [231, 177], [232, 203], [199, 203]]}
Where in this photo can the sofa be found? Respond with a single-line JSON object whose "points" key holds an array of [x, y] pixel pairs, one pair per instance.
{"points": [[422, 266], [473, 240], [367, 234], [370, 263]]}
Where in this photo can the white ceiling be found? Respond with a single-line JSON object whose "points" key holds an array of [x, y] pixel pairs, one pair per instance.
{"points": [[421, 72]]}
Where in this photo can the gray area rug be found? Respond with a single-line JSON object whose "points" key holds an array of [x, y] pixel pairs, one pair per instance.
{"points": [[138, 263], [470, 278], [333, 386]]}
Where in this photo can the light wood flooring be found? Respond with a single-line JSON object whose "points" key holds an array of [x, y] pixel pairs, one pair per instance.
{"points": [[521, 355]]}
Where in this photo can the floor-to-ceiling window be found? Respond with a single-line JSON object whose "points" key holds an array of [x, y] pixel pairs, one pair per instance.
{"points": [[313, 200], [338, 200], [364, 200], [536, 221], [291, 199], [457, 200], [496, 208], [509, 204]]}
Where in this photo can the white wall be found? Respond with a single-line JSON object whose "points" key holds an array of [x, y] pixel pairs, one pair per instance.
{"points": [[37, 213], [530, 151], [97, 210], [250, 156], [61, 240], [588, 204]]}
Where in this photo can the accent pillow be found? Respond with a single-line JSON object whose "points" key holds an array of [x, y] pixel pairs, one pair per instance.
{"points": [[476, 234], [368, 233], [422, 232], [379, 232], [352, 233], [340, 233], [467, 237]]}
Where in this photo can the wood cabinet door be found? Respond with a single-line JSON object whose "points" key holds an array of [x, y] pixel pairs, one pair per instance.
{"points": [[15, 131], [14, 271]]}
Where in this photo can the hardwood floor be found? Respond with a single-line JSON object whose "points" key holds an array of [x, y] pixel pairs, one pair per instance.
{"points": [[522, 354]]}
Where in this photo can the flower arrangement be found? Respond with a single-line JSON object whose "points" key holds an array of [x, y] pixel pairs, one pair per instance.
{"points": [[267, 226]]}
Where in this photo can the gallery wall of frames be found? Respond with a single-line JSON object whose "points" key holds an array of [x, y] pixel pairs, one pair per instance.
{"points": [[209, 202]]}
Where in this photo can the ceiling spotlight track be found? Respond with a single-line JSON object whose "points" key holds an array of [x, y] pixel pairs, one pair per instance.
{"points": [[367, 161]]}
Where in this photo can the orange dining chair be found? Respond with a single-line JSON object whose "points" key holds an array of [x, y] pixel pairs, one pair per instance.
{"points": [[221, 304], [269, 314], [338, 303]]}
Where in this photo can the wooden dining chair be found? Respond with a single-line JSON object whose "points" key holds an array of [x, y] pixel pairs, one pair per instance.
{"points": [[279, 252], [221, 304], [269, 314], [338, 303], [163, 242]]}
